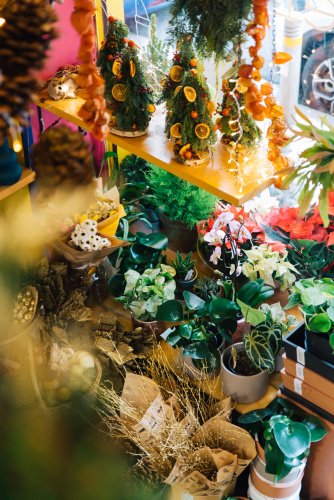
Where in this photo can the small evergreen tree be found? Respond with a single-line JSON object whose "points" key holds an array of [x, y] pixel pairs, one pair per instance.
{"points": [[235, 123], [127, 91], [131, 97], [109, 57], [184, 60], [155, 56], [189, 120]]}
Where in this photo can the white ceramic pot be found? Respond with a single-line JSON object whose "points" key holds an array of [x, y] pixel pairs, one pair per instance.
{"points": [[285, 489], [243, 388]]}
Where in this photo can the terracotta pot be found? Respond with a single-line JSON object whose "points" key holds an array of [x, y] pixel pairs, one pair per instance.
{"points": [[318, 344], [243, 388], [179, 236]]}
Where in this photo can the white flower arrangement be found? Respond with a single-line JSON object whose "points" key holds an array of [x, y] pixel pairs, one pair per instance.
{"points": [[85, 237], [262, 262]]}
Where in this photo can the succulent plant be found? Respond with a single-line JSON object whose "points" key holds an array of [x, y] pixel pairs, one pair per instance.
{"points": [[207, 287]]}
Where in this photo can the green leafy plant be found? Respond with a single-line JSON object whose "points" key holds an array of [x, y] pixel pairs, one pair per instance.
{"points": [[285, 432], [204, 325], [250, 294], [134, 169], [145, 252], [316, 298], [316, 170], [214, 25], [206, 288], [184, 266], [144, 293], [179, 199]]}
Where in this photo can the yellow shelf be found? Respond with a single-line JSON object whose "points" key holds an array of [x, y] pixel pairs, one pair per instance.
{"points": [[28, 176], [215, 177]]}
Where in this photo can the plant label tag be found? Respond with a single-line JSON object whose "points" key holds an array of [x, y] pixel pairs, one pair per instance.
{"points": [[299, 371], [301, 355], [298, 385]]}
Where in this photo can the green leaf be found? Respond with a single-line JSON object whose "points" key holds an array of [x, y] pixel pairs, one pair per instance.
{"points": [[220, 308], [274, 457], [140, 254], [198, 350], [185, 331], [293, 439], [313, 297], [330, 312], [158, 241], [259, 351], [294, 300], [193, 302], [171, 310], [320, 323], [331, 341], [323, 206], [255, 416], [253, 316], [315, 427]]}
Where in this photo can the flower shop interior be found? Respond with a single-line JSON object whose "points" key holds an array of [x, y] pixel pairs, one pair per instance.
{"points": [[167, 249]]}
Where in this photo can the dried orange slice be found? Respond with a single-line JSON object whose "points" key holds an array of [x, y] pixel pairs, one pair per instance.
{"points": [[202, 130], [119, 92], [176, 73], [164, 82], [184, 149], [177, 90], [190, 93], [133, 69], [116, 68], [176, 131], [210, 106]]}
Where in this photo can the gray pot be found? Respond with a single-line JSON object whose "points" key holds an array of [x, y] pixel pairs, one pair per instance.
{"points": [[244, 389], [279, 360]]}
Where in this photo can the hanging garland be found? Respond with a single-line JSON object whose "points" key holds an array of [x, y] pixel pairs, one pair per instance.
{"points": [[214, 25], [93, 112], [260, 102]]}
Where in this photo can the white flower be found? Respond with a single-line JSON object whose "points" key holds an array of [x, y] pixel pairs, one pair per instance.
{"points": [[216, 255], [235, 270], [262, 204], [215, 237], [223, 219]]}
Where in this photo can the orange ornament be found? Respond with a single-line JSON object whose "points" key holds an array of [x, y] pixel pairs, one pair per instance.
{"points": [[245, 70], [266, 89], [193, 62], [194, 114], [226, 112], [281, 58], [193, 72], [188, 155]]}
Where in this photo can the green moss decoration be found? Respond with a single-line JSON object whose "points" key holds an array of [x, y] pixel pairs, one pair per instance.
{"points": [[214, 25], [179, 199]]}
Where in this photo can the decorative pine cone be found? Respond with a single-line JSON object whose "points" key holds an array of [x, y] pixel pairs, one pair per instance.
{"points": [[62, 159], [24, 40], [146, 478]]}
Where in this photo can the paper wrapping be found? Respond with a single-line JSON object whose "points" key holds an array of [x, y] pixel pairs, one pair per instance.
{"points": [[81, 258], [108, 227], [220, 450]]}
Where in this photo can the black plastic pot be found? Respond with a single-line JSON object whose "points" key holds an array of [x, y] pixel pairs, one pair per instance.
{"points": [[179, 236], [318, 344], [183, 286]]}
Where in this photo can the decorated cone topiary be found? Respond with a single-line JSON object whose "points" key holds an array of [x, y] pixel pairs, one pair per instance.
{"points": [[127, 91], [189, 120], [184, 60], [235, 124], [109, 58]]}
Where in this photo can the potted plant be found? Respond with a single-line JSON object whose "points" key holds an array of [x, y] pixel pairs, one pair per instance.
{"points": [[283, 434], [206, 288], [181, 206], [145, 292], [316, 298], [270, 265], [205, 325], [246, 364], [186, 272], [224, 236]]}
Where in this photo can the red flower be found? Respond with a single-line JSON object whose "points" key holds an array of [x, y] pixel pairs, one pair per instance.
{"points": [[331, 203], [319, 234], [282, 217], [301, 230], [330, 240]]}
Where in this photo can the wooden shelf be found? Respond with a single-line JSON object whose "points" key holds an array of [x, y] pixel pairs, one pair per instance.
{"points": [[215, 177], [28, 176]]}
